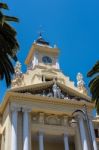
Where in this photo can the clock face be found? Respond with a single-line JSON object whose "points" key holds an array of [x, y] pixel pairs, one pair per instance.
{"points": [[46, 60]]}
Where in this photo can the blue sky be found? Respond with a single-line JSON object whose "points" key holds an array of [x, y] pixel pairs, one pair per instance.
{"points": [[71, 24]]}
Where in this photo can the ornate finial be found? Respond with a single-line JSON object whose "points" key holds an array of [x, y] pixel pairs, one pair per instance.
{"points": [[81, 83], [18, 77]]}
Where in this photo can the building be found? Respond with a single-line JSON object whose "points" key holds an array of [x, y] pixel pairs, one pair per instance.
{"points": [[44, 110]]}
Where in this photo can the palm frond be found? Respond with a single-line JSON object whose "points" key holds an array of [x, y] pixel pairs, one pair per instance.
{"points": [[8, 45], [94, 70], [4, 6], [94, 84], [6, 67], [9, 18]]}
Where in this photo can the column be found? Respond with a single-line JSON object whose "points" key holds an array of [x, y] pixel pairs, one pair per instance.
{"points": [[26, 129], [83, 134], [66, 144], [93, 135], [14, 129], [41, 143]]}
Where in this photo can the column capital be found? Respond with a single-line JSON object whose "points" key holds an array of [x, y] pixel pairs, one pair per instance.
{"points": [[65, 135], [26, 109], [15, 109], [41, 131]]}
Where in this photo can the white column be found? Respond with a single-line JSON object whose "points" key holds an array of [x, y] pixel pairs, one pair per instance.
{"points": [[93, 135], [41, 144], [25, 130], [14, 130], [83, 134], [66, 144]]}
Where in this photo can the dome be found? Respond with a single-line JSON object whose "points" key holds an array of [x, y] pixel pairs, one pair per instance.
{"points": [[40, 40]]}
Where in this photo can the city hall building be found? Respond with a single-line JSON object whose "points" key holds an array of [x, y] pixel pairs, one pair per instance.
{"points": [[44, 110]]}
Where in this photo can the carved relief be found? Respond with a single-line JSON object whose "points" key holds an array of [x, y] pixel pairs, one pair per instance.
{"points": [[52, 120]]}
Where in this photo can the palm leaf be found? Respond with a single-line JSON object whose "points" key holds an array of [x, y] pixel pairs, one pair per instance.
{"points": [[94, 70], [94, 84], [9, 29], [7, 68], [4, 6], [9, 18]]}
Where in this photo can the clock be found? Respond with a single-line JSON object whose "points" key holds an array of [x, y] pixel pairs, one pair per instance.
{"points": [[46, 60]]}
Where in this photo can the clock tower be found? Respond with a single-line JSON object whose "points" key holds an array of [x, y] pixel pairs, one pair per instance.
{"points": [[42, 55]]}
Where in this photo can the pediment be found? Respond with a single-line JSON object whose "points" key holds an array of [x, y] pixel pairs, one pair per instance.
{"points": [[53, 90]]}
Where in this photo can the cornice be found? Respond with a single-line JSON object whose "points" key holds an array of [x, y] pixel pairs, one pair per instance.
{"points": [[13, 96]]}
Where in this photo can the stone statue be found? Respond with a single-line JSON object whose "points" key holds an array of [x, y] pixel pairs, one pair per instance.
{"points": [[57, 91], [50, 94], [81, 83], [18, 77], [54, 90]]}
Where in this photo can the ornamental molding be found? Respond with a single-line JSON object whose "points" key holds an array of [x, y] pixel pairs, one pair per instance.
{"points": [[50, 119], [27, 97]]}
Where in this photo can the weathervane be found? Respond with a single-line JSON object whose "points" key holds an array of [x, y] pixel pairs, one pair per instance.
{"points": [[40, 32]]}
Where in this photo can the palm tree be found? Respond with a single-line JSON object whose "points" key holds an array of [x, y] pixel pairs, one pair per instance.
{"points": [[94, 84], [8, 45]]}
